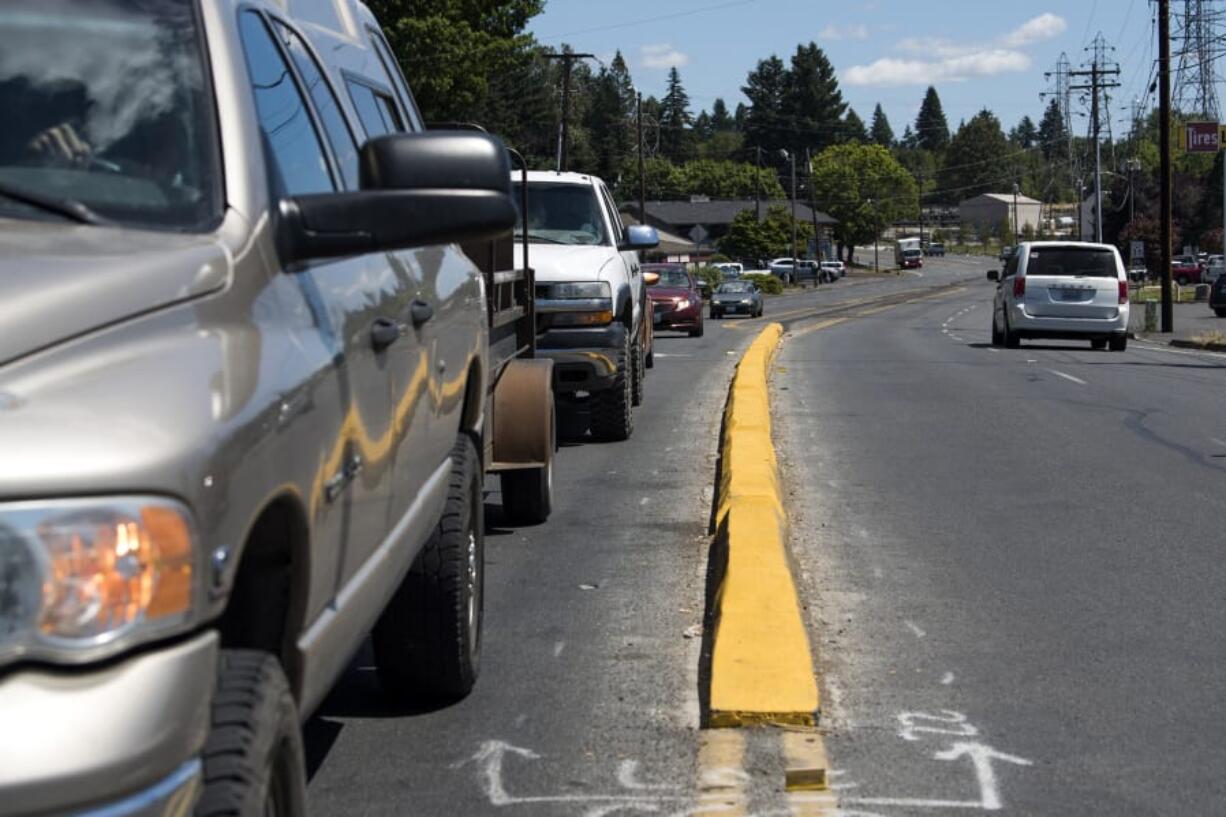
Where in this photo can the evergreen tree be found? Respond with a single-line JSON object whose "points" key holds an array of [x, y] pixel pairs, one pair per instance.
{"points": [[854, 127], [764, 88], [721, 121], [909, 142], [977, 160], [607, 123], [931, 129], [813, 105], [1024, 134], [882, 134], [703, 129], [741, 115], [1052, 137], [675, 120]]}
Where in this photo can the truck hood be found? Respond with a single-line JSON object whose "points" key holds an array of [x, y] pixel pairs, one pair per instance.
{"points": [[59, 281], [567, 262]]}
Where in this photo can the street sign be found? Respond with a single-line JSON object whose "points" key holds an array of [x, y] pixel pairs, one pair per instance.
{"points": [[698, 234], [1138, 251], [1200, 137]]}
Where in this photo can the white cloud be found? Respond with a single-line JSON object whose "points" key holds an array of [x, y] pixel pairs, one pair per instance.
{"points": [[662, 55], [889, 71], [1043, 27], [855, 31], [939, 60]]}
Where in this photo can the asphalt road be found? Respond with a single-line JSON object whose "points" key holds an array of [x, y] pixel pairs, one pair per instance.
{"points": [[1013, 560], [588, 699]]}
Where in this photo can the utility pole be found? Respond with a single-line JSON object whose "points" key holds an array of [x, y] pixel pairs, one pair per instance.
{"points": [[817, 252], [920, 176], [757, 185], [876, 264], [795, 265], [1015, 242], [1099, 69], [1164, 148], [568, 60], [642, 163]]}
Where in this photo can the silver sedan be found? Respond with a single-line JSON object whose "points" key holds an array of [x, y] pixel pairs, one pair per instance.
{"points": [[736, 297]]}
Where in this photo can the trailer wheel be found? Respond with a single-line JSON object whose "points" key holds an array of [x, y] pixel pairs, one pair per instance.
{"points": [[525, 434]]}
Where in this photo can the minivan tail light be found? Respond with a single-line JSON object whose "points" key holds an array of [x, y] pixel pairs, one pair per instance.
{"points": [[1019, 287], [1123, 292]]}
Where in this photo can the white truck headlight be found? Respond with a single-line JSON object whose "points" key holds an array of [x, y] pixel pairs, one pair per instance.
{"points": [[84, 579], [585, 289]]}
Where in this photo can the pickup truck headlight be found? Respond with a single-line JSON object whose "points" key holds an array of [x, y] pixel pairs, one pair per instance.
{"points": [[84, 579], [586, 303]]}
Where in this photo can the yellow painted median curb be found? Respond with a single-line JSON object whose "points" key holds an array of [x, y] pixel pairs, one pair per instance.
{"points": [[761, 665]]}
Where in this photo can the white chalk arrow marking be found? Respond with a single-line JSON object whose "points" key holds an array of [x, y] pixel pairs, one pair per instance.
{"points": [[982, 756]]}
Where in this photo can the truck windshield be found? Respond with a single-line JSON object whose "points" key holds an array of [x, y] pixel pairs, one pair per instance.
{"points": [[562, 214], [106, 108]]}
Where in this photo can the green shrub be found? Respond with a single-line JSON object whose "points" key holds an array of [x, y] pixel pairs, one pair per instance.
{"points": [[719, 258], [765, 282], [711, 275]]}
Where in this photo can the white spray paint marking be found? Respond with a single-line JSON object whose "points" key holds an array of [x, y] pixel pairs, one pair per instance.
{"points": [[952, 723], [1217, 441], [947, 679], [1068, 377], [993, 349], [490, 758], [982, 756], [627, 778], [955, 337], [915, 628], [557, 648], [644, 500]]}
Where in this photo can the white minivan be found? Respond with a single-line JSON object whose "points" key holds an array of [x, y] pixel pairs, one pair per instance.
{"points": [[1062, 290]]}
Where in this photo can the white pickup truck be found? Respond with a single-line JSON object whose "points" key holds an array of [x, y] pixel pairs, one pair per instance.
{"points": [[594, 317]]}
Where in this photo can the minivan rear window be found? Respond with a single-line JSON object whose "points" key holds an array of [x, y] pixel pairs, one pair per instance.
{"points": [[1072, 262]]}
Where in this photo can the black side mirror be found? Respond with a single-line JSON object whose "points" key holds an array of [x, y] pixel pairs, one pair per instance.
{"points": [[993, 275], [418, 189]]}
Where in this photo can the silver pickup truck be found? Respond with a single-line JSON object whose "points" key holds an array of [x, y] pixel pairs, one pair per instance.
{"points": [[246, 394]]}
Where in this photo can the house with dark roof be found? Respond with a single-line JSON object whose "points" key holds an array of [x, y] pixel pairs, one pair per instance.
{"points": [[705, 221]]}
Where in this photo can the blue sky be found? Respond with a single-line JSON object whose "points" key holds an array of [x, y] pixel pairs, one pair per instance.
{"points": [[984, 53]]}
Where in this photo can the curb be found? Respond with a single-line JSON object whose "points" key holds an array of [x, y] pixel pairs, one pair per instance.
{"points": [[1203, 347], [761, 664]]}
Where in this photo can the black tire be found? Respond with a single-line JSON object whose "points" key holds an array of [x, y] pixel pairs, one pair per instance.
{"points": [[697, 333], [997, 337], [612, 409], [1098, 344], [428, 641], [1008, 336], [638, 366], [650, 360], [253, 760], [716, 315], [527, 494], [1221, 313], [1119, 343], [1182, 280]]}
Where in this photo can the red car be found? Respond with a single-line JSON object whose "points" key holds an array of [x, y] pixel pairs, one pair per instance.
{"points": [[676, 298], [1185, 269]]}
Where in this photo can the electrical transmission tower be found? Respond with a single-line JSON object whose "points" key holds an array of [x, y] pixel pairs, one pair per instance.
{"points": [[1102, 76], [1063, 94], [1195, 89]]}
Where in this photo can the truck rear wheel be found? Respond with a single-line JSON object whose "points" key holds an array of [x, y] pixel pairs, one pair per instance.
{"points": [[253, 760], [428, 640], [612, 408]]}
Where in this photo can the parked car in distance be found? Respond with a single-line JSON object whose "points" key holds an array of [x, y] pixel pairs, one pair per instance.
{"points": [[1217, 297], [1063, 291], [730, 270], [676, 298], [1186, 269], [1214, 267], [1006, 253], [737, 298], [831, 271], [805, 269], [1137, 272], [935, 249]]}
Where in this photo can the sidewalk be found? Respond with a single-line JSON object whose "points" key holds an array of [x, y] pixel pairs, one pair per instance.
{"points": [[1195, 324]]}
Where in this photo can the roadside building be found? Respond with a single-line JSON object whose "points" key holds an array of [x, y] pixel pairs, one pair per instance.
{"points": [[703, 222], [987, 212]]}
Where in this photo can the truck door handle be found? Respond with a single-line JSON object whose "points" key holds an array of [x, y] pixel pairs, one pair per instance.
{"points": [[383, 333], [420, 312]]}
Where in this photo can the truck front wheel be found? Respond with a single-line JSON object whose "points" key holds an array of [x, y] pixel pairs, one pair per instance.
{"points": [[428, 640], [612, 408], [637, 358], [253, 760]]}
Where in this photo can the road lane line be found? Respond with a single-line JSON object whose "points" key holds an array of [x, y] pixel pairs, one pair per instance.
{"points": [[915, 628], [1068, 377], [826, 324]]}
